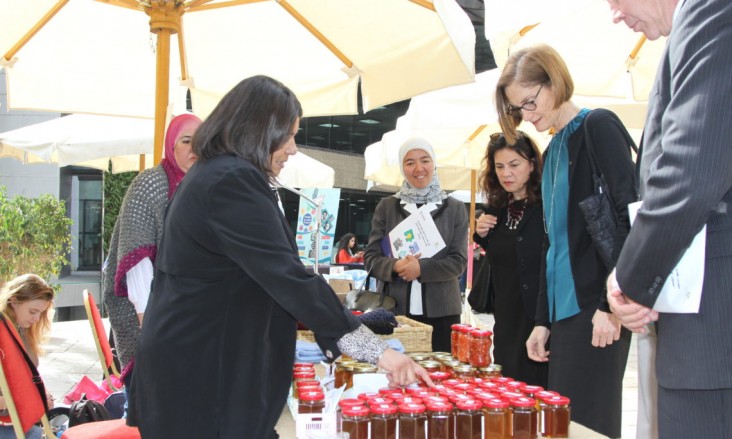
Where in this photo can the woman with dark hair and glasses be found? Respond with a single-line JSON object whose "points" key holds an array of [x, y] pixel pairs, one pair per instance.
{"points": [[512, 233], [589, 349], [219, 335]]}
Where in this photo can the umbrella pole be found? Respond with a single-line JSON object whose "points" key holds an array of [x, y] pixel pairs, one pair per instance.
{"points": [[471, 226]]}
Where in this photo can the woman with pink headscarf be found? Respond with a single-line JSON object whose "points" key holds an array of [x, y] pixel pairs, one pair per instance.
{"points": [[128, 270]]}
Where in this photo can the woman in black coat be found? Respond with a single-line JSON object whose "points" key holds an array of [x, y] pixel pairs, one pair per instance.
{"points": [[512, 234], [217, 350]]}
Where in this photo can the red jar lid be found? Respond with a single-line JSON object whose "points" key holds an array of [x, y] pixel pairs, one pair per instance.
{"points": [[434, 398], [309, 388], [304, 365], [379, 400], [411, 400], [523, 402], [447, 392], [545, 394], [303, 374], [414, 390], [412, 408], [389, 391], [515, 384], [349, 402], [397, 397], [495, 403], [482, 333], [462, 387], [457, 326], [356, 410], [502, 380], [469, 404], [311, 396], [488, 385], [486, 396], [368, 395], [528, 388], [308, 382], [557, 400], [439, 376], [439, 406], [459, 397], [465, 329], [512, 395], [383, 409], [451, 382]]}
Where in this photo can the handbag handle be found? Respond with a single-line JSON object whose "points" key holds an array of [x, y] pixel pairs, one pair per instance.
{"points": [[594, 164], [382, 293]]}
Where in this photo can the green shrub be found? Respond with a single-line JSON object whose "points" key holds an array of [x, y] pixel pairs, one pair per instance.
{"points": [[115, 188], [35, 236]]}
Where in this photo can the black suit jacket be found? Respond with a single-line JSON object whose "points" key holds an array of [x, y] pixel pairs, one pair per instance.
{"points": [[686, 182]]}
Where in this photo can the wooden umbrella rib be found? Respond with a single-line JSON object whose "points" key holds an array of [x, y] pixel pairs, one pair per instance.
{"points": [[637, 48], [34, 30], [424, 3], [182, 54], [203, 5], [302, 20], [129, 4]]}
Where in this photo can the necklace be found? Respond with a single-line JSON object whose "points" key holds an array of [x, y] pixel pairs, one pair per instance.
{"points": [[548, 222], [516, 210]]}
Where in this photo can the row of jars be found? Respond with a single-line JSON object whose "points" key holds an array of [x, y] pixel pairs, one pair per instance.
{"points": [[471, 345], [436, 417]]}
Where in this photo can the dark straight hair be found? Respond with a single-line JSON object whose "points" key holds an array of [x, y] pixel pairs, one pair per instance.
{"points": [[252, 121], [489, 183]]}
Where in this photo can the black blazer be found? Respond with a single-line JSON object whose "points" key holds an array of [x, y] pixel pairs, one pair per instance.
{"points": [[613, 154], [530, 238]]}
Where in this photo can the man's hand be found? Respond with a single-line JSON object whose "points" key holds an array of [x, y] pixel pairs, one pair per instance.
{"points": [[632, 315], [535, 345], [605, 329]]}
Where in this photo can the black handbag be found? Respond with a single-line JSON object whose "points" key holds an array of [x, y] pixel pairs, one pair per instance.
{"points": [[598, 208], [481, 293], [365, 300]]}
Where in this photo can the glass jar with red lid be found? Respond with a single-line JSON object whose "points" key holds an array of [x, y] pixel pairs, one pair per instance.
{"points": [[496, 419], [480, 347], [463, 352], [469, 419], [355, 422], [412, 421], [555, 417], [311, 402], [524, 418], [384, 421], [440, 420]]}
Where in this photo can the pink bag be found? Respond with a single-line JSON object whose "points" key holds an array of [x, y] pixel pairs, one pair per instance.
{"points": [[88, 387]]}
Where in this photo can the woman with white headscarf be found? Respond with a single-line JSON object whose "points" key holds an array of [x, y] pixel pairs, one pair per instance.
{"points": [[425, 289]]}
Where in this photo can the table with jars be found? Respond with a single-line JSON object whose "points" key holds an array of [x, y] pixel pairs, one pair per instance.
{"points": [[471, 399]]}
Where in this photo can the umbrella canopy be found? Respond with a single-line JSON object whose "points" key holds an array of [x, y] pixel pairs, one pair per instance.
{"points": [[92, 141], [604, 59], [114, 56], [82, 140]]}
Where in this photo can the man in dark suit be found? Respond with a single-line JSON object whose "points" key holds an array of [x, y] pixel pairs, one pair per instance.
{"points": [[685, 171]]}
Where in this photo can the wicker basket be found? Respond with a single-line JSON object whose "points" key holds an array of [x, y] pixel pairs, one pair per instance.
{"points": [[413, 335]]}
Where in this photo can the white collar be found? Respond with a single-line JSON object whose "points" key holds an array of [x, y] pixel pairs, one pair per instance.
{"points": [[412, 207]]}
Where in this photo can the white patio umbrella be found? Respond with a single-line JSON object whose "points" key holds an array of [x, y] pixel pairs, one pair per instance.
{"points": [[87, 56], [92, 141], [605, 59], [82, 140]]}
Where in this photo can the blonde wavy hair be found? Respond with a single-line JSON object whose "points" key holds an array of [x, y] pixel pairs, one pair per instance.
{"points": [[26, 288]]}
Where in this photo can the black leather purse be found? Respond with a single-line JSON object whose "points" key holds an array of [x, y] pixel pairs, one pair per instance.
{"points": [[598, 208], [481, 294], [365, 300]]}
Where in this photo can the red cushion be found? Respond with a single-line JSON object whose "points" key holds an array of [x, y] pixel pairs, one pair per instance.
{"points": [[20, 380], [116, 429]]}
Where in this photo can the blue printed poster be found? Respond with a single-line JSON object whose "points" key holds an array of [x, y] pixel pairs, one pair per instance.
{"points": [[306, 224]]}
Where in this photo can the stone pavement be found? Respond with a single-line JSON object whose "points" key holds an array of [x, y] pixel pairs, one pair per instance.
{"points": [[71, 354]]}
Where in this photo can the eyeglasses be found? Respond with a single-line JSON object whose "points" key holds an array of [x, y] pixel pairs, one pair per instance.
{"points": [[529, 105]]}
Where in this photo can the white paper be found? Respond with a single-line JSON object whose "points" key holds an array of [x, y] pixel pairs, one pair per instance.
{"points": [[416, 234], [681, 294]]}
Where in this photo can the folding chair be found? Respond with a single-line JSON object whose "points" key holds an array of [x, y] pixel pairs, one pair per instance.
{"points": [[100, 340], [22, 396]]}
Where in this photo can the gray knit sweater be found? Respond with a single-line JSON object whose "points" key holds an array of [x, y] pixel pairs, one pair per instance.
{"points": [[136, 235]]}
